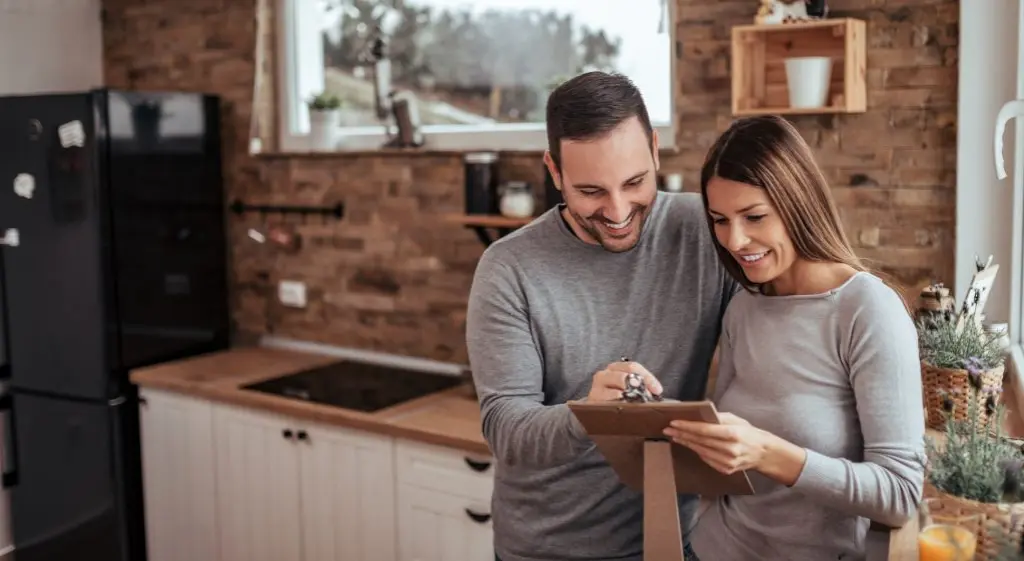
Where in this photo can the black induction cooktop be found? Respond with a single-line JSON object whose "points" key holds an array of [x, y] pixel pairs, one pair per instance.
{"points": [[352, 384]]}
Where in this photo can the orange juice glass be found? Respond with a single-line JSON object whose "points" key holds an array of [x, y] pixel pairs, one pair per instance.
{"points": [[946, 536], [946, 542]]}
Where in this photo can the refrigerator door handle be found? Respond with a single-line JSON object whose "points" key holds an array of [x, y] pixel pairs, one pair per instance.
{"points": [[10, 452]]}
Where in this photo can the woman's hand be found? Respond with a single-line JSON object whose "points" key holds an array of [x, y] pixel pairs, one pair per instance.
{"points": [[736, 445]]}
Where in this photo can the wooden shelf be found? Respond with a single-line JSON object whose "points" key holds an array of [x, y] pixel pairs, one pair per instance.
{"points": [[759, 71], [488, 220], [789, 111], [481, 223]]}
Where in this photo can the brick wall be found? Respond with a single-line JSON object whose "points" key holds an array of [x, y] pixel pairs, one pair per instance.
{"points": [[391, 276]]}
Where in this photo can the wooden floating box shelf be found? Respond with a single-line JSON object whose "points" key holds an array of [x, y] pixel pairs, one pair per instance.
{"points": [[759, 52]]}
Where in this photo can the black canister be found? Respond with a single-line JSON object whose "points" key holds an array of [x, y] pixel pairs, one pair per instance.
{"points": [[481, 170]]}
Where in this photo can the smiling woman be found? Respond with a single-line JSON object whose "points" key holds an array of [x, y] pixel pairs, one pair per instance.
{"points": [[814, 337], [479, 72], [769, 206]]}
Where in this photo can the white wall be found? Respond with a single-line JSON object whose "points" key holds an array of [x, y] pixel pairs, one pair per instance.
{"points": [[50, 45], [984, 204]]}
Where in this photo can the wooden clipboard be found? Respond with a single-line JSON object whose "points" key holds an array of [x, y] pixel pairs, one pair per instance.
{"points": [[620, 429]]}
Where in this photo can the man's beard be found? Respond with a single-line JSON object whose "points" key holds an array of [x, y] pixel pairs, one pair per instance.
{"points": [[639, 214]]}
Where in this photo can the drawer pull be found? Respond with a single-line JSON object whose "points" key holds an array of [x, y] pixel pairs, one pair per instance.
{"points": [[477, 466], [477, 517]]}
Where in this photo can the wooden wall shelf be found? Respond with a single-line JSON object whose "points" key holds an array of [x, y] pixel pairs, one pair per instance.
{"points": [[759, 71], [483, 223]]}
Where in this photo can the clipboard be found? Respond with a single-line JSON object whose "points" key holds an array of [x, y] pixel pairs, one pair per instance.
{"points": [[629, 436], [619, 430]]}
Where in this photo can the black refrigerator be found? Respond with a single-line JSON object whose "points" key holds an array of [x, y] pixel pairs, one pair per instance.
{"points": [[112, 256]]}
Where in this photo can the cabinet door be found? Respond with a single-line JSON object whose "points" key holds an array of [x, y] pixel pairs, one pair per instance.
{"points": [[348, 495], [178, 477], [257, 486], [438, 526]]}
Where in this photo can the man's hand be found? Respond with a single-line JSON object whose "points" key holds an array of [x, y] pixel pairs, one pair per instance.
{"points": [[608, 384]]}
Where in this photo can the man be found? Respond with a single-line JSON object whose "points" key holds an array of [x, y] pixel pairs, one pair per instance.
{"points": [[619, 269]]}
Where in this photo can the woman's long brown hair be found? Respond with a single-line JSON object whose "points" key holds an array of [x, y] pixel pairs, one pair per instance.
{"points": [[768, 152]]}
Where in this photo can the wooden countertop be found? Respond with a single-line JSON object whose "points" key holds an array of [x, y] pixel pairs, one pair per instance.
{"points": [[447, 418]]}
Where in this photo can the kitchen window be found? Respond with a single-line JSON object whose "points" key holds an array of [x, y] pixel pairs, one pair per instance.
{"points": [[478, 71]]}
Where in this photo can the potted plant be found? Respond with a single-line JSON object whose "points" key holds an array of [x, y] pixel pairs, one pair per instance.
{"points": [[961, 364], [973, 469], [324, 119]]}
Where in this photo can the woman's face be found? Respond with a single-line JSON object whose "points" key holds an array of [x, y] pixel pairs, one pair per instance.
{"points": [[747, 225]]}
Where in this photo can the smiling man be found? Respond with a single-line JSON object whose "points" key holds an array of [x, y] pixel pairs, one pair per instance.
{"points": [[601, 206], [619, 269]]}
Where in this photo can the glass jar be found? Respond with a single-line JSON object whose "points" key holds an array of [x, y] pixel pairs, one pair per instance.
{"points": [[516, 200]]}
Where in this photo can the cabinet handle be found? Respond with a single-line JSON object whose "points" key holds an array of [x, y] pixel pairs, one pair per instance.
{"points": [[287, 433], [302, 435], [478, 517], [477, 466]]}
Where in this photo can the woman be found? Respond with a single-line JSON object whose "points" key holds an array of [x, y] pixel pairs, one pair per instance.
{"points": [[819, 383]]}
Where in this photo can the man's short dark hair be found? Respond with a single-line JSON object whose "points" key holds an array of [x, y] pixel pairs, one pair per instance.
{"points": [[591, 105]]}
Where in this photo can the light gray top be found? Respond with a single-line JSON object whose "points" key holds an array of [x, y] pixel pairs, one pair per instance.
{"points": [[837, 373], [546, 311]]}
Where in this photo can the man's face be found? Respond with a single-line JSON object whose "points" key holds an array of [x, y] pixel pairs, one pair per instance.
{"points": [[609, 185]]}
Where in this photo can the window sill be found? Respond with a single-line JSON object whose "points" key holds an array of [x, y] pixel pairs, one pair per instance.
{"points": [[527, 139], [409, 153]]}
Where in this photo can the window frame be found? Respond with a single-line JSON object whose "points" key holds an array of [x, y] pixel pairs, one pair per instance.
{"points": [[300, 68], [1016, 175]]}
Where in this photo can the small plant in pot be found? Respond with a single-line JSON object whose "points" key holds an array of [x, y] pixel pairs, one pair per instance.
{"points": [[324, 119], [961, 364], [973, 468]]}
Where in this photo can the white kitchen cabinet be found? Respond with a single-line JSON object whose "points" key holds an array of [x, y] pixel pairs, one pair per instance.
{"points": [[291, 489], [348, 495], [258, 486], [444, 504], [178, 476], [226, 483]]}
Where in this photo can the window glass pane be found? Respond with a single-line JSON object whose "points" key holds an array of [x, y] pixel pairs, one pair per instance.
{"points": [[490, 62]]}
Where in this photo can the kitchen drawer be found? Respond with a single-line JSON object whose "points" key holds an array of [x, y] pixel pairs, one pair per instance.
{"points": [[435, 526], [444, 469]]}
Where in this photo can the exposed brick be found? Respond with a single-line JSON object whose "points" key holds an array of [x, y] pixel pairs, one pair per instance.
{"points": [[393, 276], [868, 237]]}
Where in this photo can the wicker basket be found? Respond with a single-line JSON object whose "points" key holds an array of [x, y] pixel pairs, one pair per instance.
{"points": [[940, 383], [999, 523]]}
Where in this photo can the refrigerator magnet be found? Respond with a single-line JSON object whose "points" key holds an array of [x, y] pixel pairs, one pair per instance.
{"points": [[24, 185], [71, 134]]}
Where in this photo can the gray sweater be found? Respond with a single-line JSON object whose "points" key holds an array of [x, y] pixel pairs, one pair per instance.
{"points": [[837, 373], [546, 311]]}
